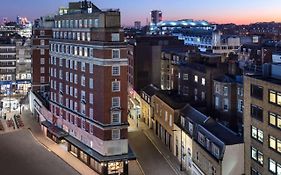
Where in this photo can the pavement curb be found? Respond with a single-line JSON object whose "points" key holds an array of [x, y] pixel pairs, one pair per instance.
{"points": [[29, 129], [140, 167]]}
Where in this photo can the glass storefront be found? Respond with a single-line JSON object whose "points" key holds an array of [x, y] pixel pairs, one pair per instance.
{"points": [[115, 167], [73, 150], [95, 165], [84, 157]]}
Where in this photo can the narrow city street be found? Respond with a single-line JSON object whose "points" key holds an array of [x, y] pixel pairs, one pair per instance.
{"points": [[151, 161], [152, 156]]}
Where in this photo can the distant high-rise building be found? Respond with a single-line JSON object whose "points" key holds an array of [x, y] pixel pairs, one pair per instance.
{"points": [[156, 16], [18, 20], [137, 25]]}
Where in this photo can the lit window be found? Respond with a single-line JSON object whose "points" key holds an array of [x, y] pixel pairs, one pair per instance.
{"points": [[195, 78], [203, 81], [272, 142], [279, 98], [279, 145], [272, 166], [260, 135], [42, 42], [272, 96], [254, 132], [272, 119], [275, 120]]}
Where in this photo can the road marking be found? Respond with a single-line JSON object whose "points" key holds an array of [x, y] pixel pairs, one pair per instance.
{"points": [[140, 167]]}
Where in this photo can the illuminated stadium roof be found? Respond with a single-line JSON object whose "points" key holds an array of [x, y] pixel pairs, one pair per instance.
{"points": [[183, 23]]}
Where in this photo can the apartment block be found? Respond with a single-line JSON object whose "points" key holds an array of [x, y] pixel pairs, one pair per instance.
{"points": [[196, 79], [167, 106], [205, 147], [41, 35], [228, 101], [147, 103]]}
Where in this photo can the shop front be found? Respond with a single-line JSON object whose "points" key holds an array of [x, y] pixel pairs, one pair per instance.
{"points": [[105, 165], [23, 86], [53, 132]]}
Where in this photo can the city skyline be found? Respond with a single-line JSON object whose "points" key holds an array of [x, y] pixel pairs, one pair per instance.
{"points": [[260, 11]]}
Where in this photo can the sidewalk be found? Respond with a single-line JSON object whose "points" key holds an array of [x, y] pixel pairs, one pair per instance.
{"points": [[159, 145], [79, 166], [30, 123]]}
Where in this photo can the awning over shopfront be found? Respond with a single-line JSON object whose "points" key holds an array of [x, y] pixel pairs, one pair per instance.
{"points": [[23, 81], [56, 131], [61, 134], [5, 82], [95, 155]]}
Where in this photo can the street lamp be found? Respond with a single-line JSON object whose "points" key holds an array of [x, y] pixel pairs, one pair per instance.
{"points": [[20, 102], [181, 167]]}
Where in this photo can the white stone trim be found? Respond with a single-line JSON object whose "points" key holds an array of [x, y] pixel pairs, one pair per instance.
{"points": [[92, 60]]}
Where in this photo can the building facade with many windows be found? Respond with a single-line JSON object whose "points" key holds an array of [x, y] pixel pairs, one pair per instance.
{"points": [[262, 123], [7, 64], [88, 85], [42, 33]]}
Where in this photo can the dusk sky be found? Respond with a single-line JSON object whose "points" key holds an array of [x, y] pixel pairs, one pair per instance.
{"points": [[220, 11]]}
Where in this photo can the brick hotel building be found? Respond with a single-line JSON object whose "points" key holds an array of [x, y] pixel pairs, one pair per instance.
{"points": [[88, 87]]}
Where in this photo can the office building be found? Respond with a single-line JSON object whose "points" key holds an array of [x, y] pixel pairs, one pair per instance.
{"points": [[7, 64], [262, 121]]}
